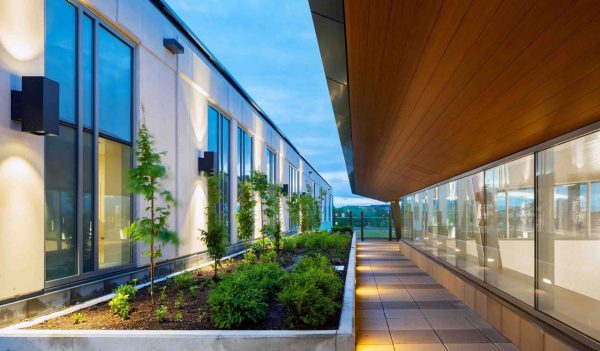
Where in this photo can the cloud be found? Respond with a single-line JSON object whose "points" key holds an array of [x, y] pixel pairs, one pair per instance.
{"points": [[340, 201]]}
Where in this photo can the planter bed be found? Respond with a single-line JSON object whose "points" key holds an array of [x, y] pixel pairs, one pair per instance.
{"points": [[142, 330]]}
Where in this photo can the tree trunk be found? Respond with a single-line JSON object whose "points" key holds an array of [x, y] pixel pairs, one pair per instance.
{"points": [[152, 249]]}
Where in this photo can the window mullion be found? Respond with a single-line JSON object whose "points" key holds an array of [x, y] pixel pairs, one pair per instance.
{"points": [[79, 106], [95, 142]]}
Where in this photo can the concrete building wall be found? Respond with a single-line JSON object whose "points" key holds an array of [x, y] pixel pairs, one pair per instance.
{"points": [[172, 97]]}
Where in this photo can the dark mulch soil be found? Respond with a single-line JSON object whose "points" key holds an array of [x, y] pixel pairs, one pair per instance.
{"points": [[195, 311]]}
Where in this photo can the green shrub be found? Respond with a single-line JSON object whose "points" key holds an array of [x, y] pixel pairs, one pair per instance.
{"points": [[184, 281], [163, 293], [178, 316], [343, 229], [161, 313], [119, 305], [268, 257], [250, 256], [128, 290], [194, 290], [235, 301], [290, 244], [311, 292], [78, 318], [242, 297], [180, 300]]}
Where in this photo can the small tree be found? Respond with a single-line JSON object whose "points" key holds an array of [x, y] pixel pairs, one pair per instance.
{"points": [[306, 210], [145, 179], [261, 186], [215, 234], [294, 208], [245, 215], [273, 207]]}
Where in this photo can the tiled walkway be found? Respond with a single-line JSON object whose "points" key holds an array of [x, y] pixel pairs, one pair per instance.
{"points": [[399, 307]]}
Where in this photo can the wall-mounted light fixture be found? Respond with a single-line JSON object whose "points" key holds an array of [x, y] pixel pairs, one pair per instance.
{"points": [[173, 46], [206, 163], [36, 106], [285, 189]]}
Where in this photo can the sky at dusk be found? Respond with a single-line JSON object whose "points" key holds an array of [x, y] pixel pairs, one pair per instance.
{"points": [[270, 47]]}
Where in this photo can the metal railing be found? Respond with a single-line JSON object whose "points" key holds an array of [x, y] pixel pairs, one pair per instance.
{"points": [[370, 227]]}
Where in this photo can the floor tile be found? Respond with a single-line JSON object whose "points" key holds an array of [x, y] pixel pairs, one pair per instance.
{"points": [[374, 347], [415, 337], [435, 305], [406, 313], [471, 347], [408, 323], [419, 347], [399, 305], [462, 336], [494, 336], [373, 337], [507, 347], [450, 323]]}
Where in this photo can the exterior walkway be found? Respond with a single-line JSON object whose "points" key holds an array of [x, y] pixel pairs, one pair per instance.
{"points": [[399, 307]]}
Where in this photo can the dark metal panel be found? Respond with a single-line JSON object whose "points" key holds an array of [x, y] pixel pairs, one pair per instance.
{"points": [[331, 36], [333, 9]]}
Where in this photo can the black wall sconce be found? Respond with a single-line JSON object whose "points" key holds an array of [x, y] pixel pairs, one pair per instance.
{"points": [[285, 189], [173, 46], [36, 106], [207, 163]]}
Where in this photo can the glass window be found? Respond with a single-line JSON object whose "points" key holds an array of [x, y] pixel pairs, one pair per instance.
{"points": [[114, 85], [218, 142], [509, 203], [407, 217], [244, 153], [88, 203], [114, 203], [470, 225], [61, 204], [272, 166], [87, 98], [103, 187], [568, 227], [294, 188], [60, 56]]}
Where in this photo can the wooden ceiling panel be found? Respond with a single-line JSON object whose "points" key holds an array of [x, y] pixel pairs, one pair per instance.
{"points": [[438, 88]]}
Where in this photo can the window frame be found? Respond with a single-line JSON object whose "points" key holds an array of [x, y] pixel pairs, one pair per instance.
{"points": [[80, 129]]}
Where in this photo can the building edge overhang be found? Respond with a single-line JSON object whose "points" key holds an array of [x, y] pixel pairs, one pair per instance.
{"points": [[329, 22], [170, 14]]}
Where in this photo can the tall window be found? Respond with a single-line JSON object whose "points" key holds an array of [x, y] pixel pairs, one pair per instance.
{"points": [[569, 232], [294, 188], [89, 204], [218, 142], [244, 155], [271, 166]]}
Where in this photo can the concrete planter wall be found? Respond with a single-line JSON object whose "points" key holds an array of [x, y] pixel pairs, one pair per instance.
{"points": [[342, 339]]}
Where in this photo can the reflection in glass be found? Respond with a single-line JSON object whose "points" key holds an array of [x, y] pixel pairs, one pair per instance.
{"points": [[60, 55], [470, 226], [407, 217], [88, 202], [87, 97], [114, 85], [271, 168], [218, 142], [61, 201], [114, 203], [509, 227], [568, 240]]}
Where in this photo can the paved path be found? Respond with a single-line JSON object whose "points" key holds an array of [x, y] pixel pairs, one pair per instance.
{"points": [[399, 307]]}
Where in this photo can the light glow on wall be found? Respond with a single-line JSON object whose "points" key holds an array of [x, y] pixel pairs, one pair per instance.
{"points": [[20, 35]]}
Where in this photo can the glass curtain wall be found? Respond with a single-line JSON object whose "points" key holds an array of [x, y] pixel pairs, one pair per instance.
{"points": [[218, 142], [529, 227], [84, 222], [568, 190], [294, 188], [271, 166]]}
